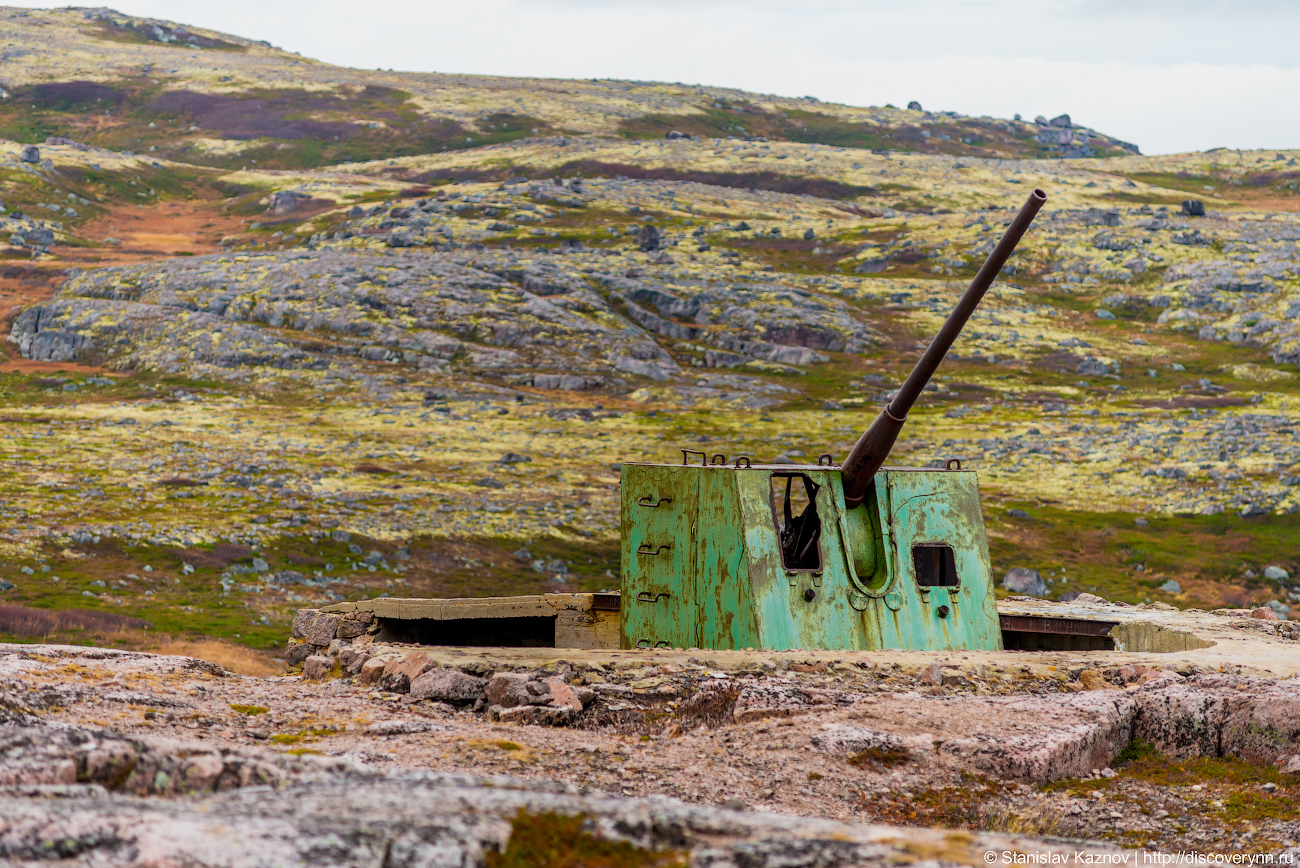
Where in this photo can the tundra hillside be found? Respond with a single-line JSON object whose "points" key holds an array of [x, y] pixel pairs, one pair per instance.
{"points": [[283, 333]]}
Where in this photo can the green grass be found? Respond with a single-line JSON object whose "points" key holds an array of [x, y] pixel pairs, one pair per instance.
{"points": [[1100, 550], [250, 710], [195, 605], [881, 757], [551, 840], [302, 735]]}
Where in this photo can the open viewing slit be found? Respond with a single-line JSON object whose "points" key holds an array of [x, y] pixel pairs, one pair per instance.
{"points": [[935, 565], [801, 533]]}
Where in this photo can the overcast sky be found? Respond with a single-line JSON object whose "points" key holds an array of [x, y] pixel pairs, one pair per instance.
{"points": [[1168, 75]]}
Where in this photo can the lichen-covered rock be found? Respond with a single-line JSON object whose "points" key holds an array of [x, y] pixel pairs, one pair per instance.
{"points": [[297, 651], [1062, 735], [323, 811], [1220, 715], [338, 311], [350, 629], [535, 715], [371, 671], [138, 765], [400, 672], [352, 658], [509, 689], [447, 685], [315, 626], [317, 667], [564, 696], [1022, 580]]}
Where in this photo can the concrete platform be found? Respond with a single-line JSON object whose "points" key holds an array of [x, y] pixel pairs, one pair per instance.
{"points": [[591, 622], [534, 621]]}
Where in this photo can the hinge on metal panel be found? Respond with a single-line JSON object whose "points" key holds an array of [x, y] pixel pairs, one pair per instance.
{"points": [[796, 576]]}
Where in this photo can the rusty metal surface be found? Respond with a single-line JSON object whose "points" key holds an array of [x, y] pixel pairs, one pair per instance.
{"points": [[659, 504], [703, 565], [605, 602], [1061, 626]]}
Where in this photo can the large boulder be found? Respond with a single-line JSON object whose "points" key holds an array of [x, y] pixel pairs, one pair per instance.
{"points": [[648, 238], [285, 201], [1022, 580], [399, 673], [315, 626], [447, 685], [317, 667], [509, 689]]}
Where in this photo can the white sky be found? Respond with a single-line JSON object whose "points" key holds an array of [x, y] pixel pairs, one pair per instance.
{"points": [[1168, 75]]}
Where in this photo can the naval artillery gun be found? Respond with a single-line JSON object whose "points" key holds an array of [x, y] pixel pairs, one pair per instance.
{"points": [[735, 555], [861, 556]]}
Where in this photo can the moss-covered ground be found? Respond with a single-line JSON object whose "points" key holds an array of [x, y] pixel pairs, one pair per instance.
{"points": [[210, 505]]}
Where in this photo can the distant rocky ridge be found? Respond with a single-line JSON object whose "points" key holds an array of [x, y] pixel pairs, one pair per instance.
{"points": [[518, 317], [230, 101]]}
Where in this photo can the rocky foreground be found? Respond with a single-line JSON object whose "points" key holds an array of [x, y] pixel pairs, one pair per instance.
{"points": [[419, 755]]}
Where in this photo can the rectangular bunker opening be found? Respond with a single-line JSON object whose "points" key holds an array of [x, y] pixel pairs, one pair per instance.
{"points": [[524, 632], [1034, 633]]}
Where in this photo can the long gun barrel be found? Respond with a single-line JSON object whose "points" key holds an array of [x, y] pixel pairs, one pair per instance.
{"points": [[873, 447]]}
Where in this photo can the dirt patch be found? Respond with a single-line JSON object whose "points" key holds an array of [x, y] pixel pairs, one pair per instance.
{"points": [[236, 658], [221, 555], [149, 233]]}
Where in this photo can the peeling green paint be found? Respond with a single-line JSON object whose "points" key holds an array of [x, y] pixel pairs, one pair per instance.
{"points": [[702, 564]]}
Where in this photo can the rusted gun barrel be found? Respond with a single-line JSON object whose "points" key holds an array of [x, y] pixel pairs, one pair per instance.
{"points": [[873, 447]]}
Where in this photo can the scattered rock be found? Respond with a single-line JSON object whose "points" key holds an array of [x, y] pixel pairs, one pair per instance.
{"points": [[371, 671], [509, 689], [648, 238], [317, 667], [447, 685], [286, 201], [315, 626], [399, 673], [1022, 580]]}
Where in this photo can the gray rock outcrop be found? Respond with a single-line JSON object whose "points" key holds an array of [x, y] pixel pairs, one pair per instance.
{"points": [[1022, 580], [336, 314]]}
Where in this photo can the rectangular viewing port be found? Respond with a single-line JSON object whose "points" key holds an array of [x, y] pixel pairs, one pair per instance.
{"points": [[528, 632], [794, 508], [935, 565]]}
